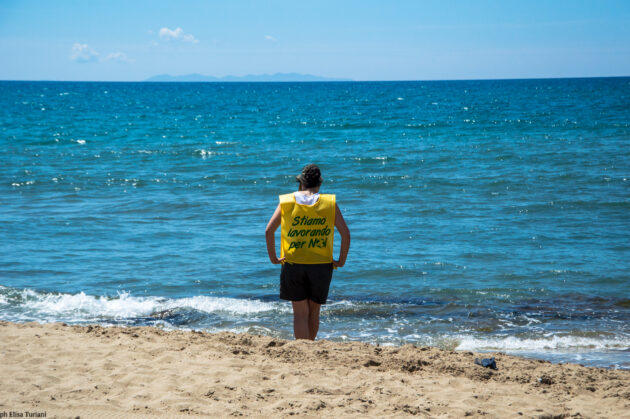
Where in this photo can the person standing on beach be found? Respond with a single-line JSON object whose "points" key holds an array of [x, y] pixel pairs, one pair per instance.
{"points": [[308, 220]]}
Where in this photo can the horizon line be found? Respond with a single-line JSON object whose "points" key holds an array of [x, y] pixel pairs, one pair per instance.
{"points": [[316, 81]]}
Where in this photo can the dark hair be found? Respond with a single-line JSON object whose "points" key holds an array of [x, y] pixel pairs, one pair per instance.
{"points": [[310, 177]]}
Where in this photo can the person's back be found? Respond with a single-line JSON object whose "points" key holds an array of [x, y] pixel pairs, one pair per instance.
{"points": [[308, 220]]}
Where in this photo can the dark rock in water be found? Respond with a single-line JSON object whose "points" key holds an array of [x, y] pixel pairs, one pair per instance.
{"points": [[181, 316], [623, 303]]}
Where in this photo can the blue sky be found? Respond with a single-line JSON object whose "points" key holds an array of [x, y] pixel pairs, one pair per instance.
{"points": [[360, 40]]}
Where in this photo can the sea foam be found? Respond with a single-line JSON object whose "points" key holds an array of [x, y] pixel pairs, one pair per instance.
{"points": [[29, 304], [547, 343]]}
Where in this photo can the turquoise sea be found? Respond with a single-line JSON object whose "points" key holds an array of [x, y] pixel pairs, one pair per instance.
{"points": [[485, 215]]}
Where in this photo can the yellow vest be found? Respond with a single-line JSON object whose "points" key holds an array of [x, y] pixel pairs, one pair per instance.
{"points": [[307, 231]]}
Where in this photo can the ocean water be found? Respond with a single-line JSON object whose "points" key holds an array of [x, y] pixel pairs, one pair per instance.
{"points": [[485, 215]]}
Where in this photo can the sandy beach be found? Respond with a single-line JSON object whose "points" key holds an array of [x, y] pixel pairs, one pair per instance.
{"points": [[93, 371]]}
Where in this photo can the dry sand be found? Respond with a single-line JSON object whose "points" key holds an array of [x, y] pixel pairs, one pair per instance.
{"points": [[92, 371]]}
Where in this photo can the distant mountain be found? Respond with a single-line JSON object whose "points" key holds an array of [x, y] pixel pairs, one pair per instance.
{"points": [[248, 78]]}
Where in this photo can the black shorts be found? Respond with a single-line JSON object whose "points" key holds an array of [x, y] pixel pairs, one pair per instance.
{"points": [[301, 281]]}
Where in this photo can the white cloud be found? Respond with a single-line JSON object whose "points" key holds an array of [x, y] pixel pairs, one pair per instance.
{"points": [[119, 57], [270, 38], [82, 53], [177, 35]]}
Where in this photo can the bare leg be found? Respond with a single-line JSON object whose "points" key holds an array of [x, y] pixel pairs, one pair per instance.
{"points": [[301, 319], [313, 319]]}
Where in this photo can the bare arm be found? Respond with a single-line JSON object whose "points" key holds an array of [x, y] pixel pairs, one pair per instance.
{"points": [[342, 228], [270, 231]]}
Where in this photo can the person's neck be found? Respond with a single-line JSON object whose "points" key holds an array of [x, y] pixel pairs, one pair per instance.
{"points": [[310, 191]]}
